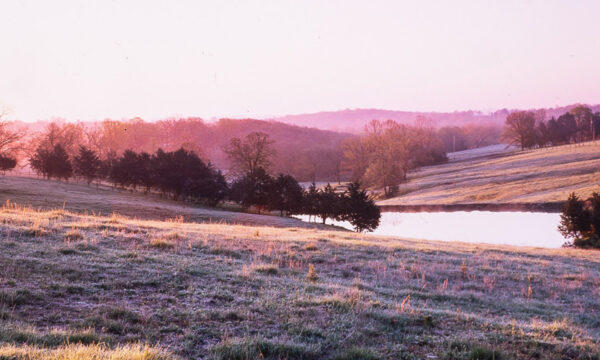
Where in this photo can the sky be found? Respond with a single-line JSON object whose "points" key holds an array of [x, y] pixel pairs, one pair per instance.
{"points": [[91, 60]]}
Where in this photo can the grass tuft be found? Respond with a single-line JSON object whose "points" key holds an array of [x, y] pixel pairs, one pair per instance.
{"points": [[258, 348], [266, 269], [312, 273], [357, 353], [162, 243]]}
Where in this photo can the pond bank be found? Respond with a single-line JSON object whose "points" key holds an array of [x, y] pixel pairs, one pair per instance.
{"points": [[546, 207]]}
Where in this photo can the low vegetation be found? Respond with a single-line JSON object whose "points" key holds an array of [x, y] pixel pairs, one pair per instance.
{"points": [[220, 291]]}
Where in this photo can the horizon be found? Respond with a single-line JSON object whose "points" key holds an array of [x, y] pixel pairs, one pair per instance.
{"points": [[281, 116], [232, 60]]}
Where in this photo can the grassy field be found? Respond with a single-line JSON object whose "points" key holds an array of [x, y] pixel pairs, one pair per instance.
{"points": [[505, 177], [77, 286], [104, 200]]}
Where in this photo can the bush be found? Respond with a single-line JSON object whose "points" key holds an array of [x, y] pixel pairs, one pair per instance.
{"points": [[580, 221]]}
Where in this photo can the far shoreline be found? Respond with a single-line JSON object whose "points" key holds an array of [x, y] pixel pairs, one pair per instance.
{"points": [[544, 207]]}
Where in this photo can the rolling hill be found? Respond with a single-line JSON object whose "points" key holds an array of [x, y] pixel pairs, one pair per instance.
{"points": [[497, 178]]}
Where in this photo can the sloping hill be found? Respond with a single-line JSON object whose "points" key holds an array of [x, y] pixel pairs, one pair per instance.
{"points": [[72, 196], [504, 177]]}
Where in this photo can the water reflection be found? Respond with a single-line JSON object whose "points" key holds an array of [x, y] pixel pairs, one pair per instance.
{"points": [[510, 228]]}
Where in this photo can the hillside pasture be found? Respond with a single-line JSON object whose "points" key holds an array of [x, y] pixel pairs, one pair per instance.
{"points": [[505, 176], [105, 200]]}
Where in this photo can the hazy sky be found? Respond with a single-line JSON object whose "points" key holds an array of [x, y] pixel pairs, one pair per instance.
{"points": [[88, 60]]}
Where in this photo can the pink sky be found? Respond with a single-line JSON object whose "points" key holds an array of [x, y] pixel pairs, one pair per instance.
{"points": [[88, 60]]}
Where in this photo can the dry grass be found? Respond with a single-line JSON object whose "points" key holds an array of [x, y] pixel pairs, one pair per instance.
{"points": [[83, 352], [223, 292], [104, 200], [533, 176]]}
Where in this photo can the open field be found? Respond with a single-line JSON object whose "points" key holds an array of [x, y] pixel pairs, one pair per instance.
{"points": [[104, 200], [505, 179], [76, 286]]}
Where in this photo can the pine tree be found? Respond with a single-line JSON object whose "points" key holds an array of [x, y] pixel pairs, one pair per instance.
{"points": [[574, 220], [40, 162], [360, 209], [328, 204], [59, 163], [286, 195], [87, 164]]}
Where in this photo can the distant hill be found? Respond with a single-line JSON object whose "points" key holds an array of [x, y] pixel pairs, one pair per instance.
{"points": [[354, 120], [307, 153]]}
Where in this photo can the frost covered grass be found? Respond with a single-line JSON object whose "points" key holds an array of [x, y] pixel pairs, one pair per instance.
{"points": [[72, 283]]}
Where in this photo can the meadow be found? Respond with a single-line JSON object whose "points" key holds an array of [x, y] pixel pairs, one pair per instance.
{"points": [[500, 176], [77, 285], [105, 200]]}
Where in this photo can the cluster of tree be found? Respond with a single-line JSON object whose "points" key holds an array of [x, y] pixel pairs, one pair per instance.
{"points": [[386, 152], [284, 194], [353, 205], [529, 129], [253, 186], [181, 173], [580, 221], [471, 136], [51, 162]]}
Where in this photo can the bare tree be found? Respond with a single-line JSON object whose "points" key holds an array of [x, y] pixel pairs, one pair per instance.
{"points": [[519, 129], [583, 117], [59, 132], [250, 154], [10, 137]]}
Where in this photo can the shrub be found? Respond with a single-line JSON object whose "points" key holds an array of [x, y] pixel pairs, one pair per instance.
{"points": [[580, 221]]}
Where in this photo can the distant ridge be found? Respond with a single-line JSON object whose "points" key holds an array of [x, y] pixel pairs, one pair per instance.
{"points": [[354, 120]]}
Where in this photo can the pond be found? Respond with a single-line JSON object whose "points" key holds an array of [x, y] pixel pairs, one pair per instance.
{"points": [[509, 228]]}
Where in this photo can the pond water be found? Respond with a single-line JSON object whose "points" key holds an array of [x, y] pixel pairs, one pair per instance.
{"points": [[509, 228]]}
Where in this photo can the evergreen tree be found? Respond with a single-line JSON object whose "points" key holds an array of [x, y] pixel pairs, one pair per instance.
{"points": [[575, 220], [253, 189], [40, 162], [60, 163], [311, 198], [360, 209], [51, 163], [87, 164], [286, 195], [328, 204], [123, 170]]}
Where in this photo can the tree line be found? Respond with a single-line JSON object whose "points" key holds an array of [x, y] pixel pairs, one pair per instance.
{"points": [[183, 175], [180, 174], [529, 129]]}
